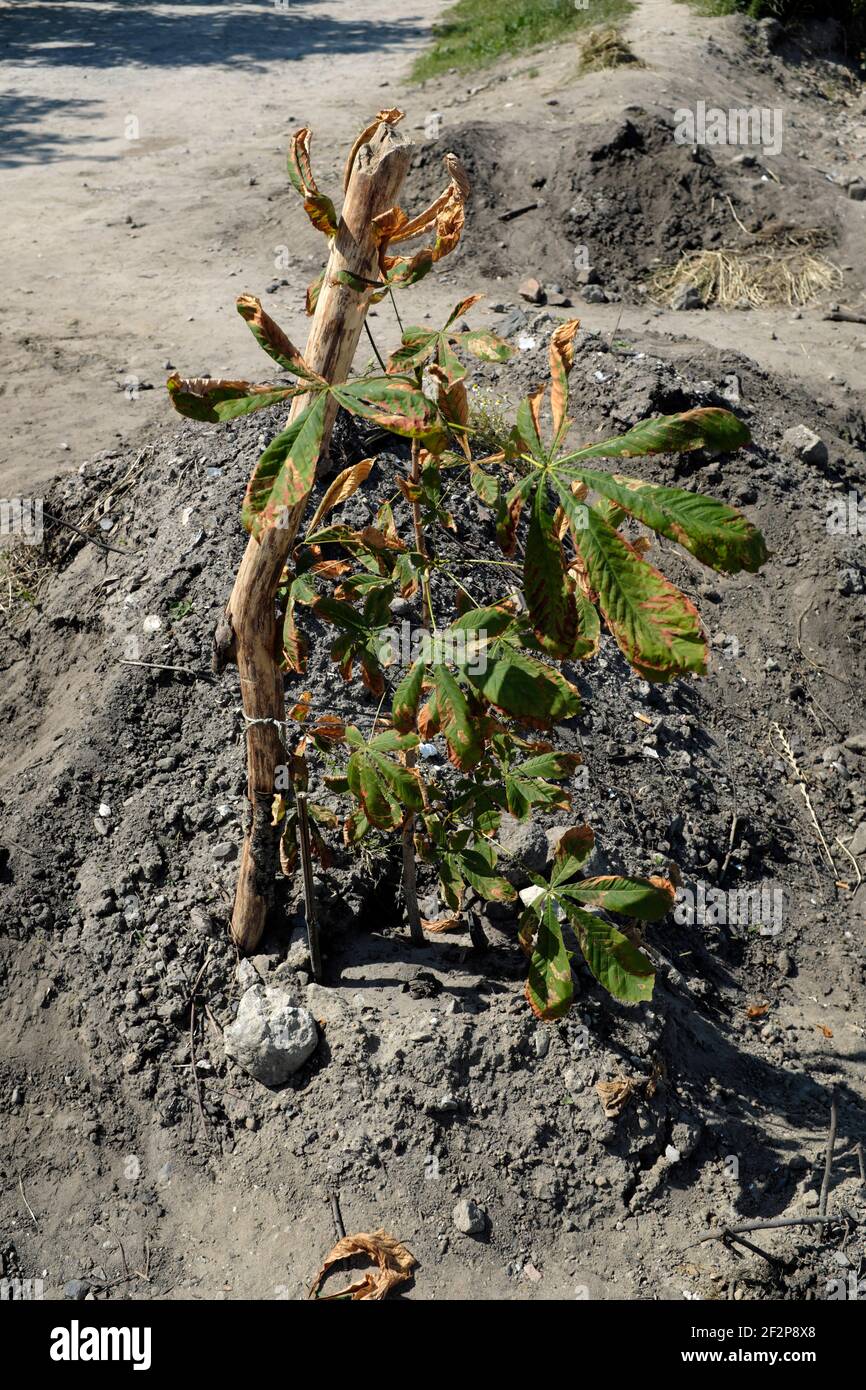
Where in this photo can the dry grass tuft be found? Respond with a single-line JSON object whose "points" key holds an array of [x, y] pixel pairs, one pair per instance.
{"points": [[22, 571], [762, 278], [605, 48]]}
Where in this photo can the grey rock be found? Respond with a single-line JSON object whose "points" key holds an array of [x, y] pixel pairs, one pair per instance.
{"points": [[468, 1217], [784, 963], [593, 294], [857, 191], [525, 846], [806, 444], [76, 1290], [270, 1037], [857, 843], [687, 297]]}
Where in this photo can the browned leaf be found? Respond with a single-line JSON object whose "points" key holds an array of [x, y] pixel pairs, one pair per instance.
{"points": [[394, 1264], [440, 924], [757, 1010], [615, 1095], [561, 356], [341, 490]]}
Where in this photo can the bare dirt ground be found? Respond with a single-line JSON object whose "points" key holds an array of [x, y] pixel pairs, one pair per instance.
{"points": [[135, 1159]]}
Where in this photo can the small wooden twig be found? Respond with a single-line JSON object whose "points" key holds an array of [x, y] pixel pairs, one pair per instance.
{"points": [[828, 1162], [410, 872], [756, 1250], [725, 1232], [339, 1228], [309, 888], [862, 1162], [195, 1076], [845, 316], [25, 1201], [735, 820], [102, 545]]}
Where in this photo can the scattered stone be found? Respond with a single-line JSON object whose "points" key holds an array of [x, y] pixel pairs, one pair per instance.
{"points": [[76, 1290], [593, 294], [857, 191], [468, 1217], [271, 1037], [857, 844], [525, 847], [687, 297], [806, 444], [532, 290], [784, 963]]}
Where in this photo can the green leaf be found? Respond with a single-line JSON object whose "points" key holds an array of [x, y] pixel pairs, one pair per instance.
{"points": [[378, 805], [623, 970], [407, 697], [708, 427], [571, 853], [393, 402], [271, 338], [648, 899], [716, 534], [314, 289], [549, 988], [486, 345], [401, 781], [465, 745], [477, 868], [286, 470], [656, 627], [526, 689], [548, 589], [214, 399], [526, 425], [418, 345]]}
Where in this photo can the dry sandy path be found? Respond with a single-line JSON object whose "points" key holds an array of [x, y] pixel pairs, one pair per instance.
{"points": [[142, 170]]}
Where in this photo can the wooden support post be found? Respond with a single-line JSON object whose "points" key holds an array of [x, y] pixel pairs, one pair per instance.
{"points": [[249, 634], [309, 888]]}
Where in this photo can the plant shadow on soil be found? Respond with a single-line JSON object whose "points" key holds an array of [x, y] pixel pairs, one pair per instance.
{"points": [[153, 35]]}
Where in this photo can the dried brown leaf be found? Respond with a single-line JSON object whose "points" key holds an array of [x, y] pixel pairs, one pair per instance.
{"points": [[394, 1264]]}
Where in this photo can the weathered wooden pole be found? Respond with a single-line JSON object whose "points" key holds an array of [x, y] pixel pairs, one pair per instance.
{"points": [[249, 634]]}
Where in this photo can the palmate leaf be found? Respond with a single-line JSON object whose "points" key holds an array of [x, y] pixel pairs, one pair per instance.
{"points": [[460, 729], [272, 340], [286, 470], [656, 627], [212, 399], [561, 358], [623, 970], [549, 987], [407, 698], [708, 427], [571, 853], [476, 865], [524, 688], [393, 402], [716, 534], [317, 206], [650, 899], [547, 587]]}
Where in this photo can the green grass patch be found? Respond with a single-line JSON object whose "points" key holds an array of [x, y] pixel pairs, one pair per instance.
{"points": [[474, 33]]}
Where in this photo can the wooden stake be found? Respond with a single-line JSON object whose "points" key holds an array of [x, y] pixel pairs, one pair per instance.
{"points": [[249, 633], [309, 888]]}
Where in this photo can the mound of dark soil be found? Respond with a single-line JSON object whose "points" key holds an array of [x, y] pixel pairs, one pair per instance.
{"points": [[622, 198], [123, 809]]}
